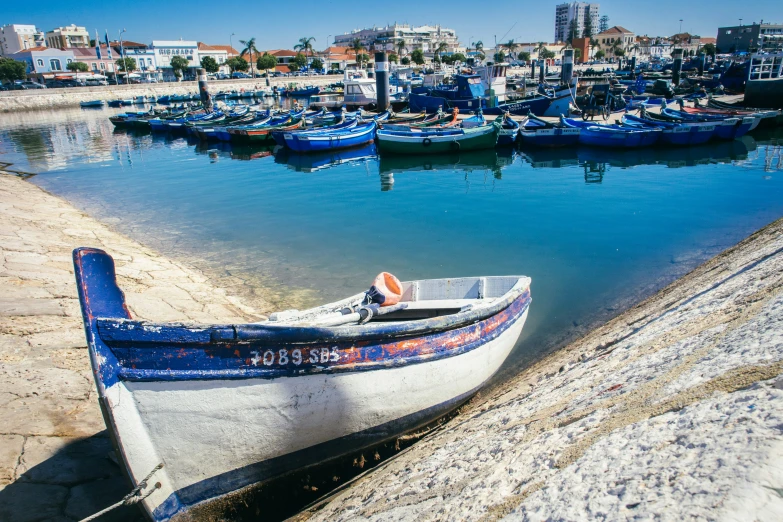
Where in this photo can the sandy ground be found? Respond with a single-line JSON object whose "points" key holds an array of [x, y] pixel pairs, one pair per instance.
{"points": [[671, 411]]}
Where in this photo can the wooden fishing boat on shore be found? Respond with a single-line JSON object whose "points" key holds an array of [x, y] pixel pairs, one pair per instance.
{"points": [[199, 412], [427, 140]]}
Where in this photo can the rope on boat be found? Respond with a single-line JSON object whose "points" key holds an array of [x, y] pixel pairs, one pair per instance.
{"points": [[134, 497]]}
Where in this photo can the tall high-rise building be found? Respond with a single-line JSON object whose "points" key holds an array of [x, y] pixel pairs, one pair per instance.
{"points": [[19, 37], [575, 17]]}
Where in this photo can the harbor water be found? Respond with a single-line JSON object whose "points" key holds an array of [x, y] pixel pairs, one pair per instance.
{"points": [[597, 230]]}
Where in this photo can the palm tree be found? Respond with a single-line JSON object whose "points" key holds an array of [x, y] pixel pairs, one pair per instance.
{"points": [[511, 45], [305, 45], [442, 46], [400, 48], [479, 46], [593, 44], [540, 48], [250, 48], [357, 47]]}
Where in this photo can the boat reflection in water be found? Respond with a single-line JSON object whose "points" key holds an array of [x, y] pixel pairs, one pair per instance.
{"points": [[482, 161], [596, 161], [312, 162], [221, 149]]}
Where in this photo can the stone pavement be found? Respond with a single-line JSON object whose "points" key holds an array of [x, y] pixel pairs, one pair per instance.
{"points": [[671, 411], [55, 455]]}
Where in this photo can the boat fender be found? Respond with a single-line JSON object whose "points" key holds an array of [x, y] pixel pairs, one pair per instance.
{"points": [[386, 290], [426, 142]]}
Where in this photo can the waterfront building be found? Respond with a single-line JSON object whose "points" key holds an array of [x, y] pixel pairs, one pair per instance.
{"points": [[44, 63], [68, 36], [165, 50], [578, 14], [424, 37], [284, 57], [221, 54], [336, 57], [19, 37], [746, 37], [146, 60], [606, 40], [103, 65]]}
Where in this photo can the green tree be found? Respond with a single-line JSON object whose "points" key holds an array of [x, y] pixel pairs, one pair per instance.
{"points": [[458, 57], [305, 45], [417, 57], [577, 55], [479, 46], [436, 59], [11, 70], [297, 62], [364, 58], [524, 56], [357, 47], [594, 45], [499, 56], [237, 63], [587, 32], [709, 49], [77, 67], [481, 57], [440, 49], [546, 54], [511, 45], [393, 58], [317, 64], [179, 65], [540, 48], [265, 62], [400, 45], [210, 64], [250, 49], [405, 61], [600, 55], [573, 31], [126, 64]]}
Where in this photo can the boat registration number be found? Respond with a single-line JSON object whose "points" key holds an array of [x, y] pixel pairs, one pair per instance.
{"points": [[296, 356]]}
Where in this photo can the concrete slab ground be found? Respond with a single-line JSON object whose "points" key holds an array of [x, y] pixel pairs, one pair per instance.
{"points": [[55, 455]]}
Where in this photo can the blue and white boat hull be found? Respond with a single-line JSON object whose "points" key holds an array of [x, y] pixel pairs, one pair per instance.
{"points": [[207, 411]]}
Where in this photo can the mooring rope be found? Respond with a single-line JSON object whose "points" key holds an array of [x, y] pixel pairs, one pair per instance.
{"points": [[134, 497]]}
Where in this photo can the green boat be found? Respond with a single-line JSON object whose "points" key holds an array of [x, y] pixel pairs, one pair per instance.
{"points": [[438, 140]]}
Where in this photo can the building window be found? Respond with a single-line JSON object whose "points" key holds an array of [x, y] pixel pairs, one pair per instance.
{"points": [[728, 31], [103, 66], [55, 65], [94, 66], [220, 58], [69, 60], [39, 62], [141, 63]]}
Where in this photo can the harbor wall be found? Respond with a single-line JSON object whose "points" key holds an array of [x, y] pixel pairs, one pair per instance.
{"points": [[36, 99]]}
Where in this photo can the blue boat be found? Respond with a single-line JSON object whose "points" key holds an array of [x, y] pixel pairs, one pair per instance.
{"points": [[120, 103], [673, 133], [347, 123], [536, 132], [196, 413], [305, 92], [91, 103], [316, 161], [593, 134], [726, 128], [509, 130], [331, 139]]}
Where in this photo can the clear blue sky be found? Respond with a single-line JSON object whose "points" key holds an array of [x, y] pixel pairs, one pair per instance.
{"points": [[279, 24]]}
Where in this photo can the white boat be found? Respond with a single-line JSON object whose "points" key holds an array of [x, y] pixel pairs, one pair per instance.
{"points": [[201, 412]]}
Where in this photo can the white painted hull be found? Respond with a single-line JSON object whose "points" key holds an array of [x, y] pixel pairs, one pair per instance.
{"points": [[202, 429]]}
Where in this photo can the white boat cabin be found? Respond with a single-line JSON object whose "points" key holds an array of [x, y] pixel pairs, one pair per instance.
{"points": [[359, 89]]}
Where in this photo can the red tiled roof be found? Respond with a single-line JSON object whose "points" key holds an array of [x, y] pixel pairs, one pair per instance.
{"points": [[227, 48], [617, 29], [34, 49], [280, 52]]}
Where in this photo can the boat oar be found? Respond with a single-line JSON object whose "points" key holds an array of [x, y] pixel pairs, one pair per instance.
{"points": [[362, 315]]}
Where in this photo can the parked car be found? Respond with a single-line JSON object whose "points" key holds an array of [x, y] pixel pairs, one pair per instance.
{"points": [[223, 76], [240, 75], [148, 80], [33, 85], [95, 83]]}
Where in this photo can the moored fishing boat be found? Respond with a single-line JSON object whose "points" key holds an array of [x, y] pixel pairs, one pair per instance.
{"points": [[540, 133], [593, 134], [726, 128], [91, 103], [425, 140], [198, 412], [331, 139], [246, 133], [673, 133], [509, 130]]}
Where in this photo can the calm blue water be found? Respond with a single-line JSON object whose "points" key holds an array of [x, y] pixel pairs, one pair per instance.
{"points": [[596, 230]]}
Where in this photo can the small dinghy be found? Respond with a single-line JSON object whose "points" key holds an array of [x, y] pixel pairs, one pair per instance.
{"points": [[198, 412]]}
